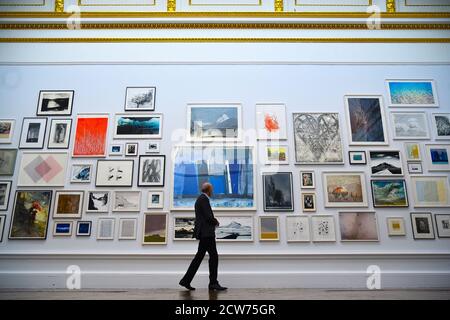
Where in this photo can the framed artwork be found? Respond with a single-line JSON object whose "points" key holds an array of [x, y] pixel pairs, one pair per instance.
{"points": [[309, 202], [344, 189], [127, 201], [412, 93], [183, 228], [214, 122], [90, 135], [389, 193], [366, 120], [7, 161], [155, 200], [127, 229], [105, 228], [152, 147], [7, 127], [297, 229], [307, 180], [62, 228], [131, 149], [42, 169], [396, 226], [33, 133], [2, 226], [323, 229], [278, 191], [441, 125], [68, 204], [5, 192], [55, 103], [114, 173], [317, 138], [59, 137], [437, 156], [84, 228], [81, 173], [98, 201], [230, 169], [409, 125], [138, 126], [234, 228], [412, 151], [385, 163], [30, 215], [140, 99], [271, 122], [442, 225], [152, 171], [116, 149], [357, 157], [430, 191], [269, 228], [422, 226], [358, 226], [155, 228], [276, 154], [415, 168]]}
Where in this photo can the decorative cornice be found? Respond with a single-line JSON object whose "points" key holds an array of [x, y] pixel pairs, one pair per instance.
{"points": [[171, 5], [279, 5], [59, 6], [390, 6]]}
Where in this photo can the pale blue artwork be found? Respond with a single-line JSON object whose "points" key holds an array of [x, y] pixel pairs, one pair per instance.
{"points": [[405, 93], [214, 122], [427, 191]]}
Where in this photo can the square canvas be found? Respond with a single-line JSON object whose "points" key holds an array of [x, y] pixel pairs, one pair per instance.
{"points": [[412, 93], [5, 192], [437, 156], [84, 228], [276, 154], [344, 189], [7, 161], [105, 228], [422, 226], [155, 228], [68, 204], [358, 226], [183, 228], [42, 169], [307, 180], [278, 191], [234, 228], [62, 228], [412, 151], [152, 171], [271, 122], [98, 201], [323, 228], [138, 126], [81, 173], [90, 135], [442, 225], [140, 99], [389, 193], [431, 191], [127, 229], [33, 133], [59, 136], [385, 163], [114, 173], [269, 228], [410, 125], [155, 200], [396, 226], [55, 103], [127, 201], [297, 229], [7, 127], [441, 125]]}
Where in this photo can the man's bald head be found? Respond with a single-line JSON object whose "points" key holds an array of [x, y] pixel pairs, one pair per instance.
{"points": [[207, 188]]}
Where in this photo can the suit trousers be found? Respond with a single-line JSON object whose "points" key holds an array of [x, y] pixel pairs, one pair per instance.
{"points": [[205, 245]]}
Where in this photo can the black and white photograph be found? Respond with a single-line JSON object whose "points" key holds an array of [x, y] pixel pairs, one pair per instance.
{"points": [[55, 103], [152, 147], [155, 200], [59, 136], [441, 126], [183, 228], [126, 201], [140, 99], [151, 171], [277, 190], [81, 173], [7, 161], [131, 149], [114, 173], [309, 202], [33, 133], [5, 192], [442, 225], [422, 225], [234, 228], [98, 201], [410, 125], [385, 163]]}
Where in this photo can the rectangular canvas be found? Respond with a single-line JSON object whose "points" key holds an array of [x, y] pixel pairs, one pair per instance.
{"points": [[412, 151], [114, 173], [441, 125], [214, 122], [62, 228], [98, 201], [7, 127], [155, 228], [271, 122], [234, 228], [55, 103], [385, 163], [396, 226], [84, 228], [307, 180], [127, 201], [7, 161], [105, 228], [442, 225], [140, 99], [278, 191], [297, 229], [152, 171], [155, 200], [33, 133], [422, 226], [276, 154], [230, 169], [357, 157], [323, 228], [358, 226], [410, 125], [389, 193], [437, 156], [5, 192], [2, 226], [138, 126], [59, 136], [412, 93], [68, 204], [90, 135], [81, 173], [431, 191], [42, 169], [183, 228], [127, 229], [269, 228], [366, 121], [30, 215], [344, 189], [317, 138]]}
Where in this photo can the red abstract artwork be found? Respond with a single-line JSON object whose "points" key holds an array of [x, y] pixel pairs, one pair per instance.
{"points": [[271, 123], [90, 136]]}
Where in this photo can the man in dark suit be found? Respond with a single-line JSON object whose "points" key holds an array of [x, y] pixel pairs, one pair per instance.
{"points": [[205, 231]]}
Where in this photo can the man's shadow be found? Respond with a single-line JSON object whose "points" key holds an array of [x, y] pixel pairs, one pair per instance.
{"points": [[188, 295]]}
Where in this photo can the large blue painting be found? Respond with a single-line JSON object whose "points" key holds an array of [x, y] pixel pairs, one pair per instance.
{"points": [[229, 169], [404, 93]]}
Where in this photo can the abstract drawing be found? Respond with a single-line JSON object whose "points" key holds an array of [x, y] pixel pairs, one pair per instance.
{"points": [[42, 169], [358, 226], [152, 171], [90, 135], [323, 229], [234, 228], [105, 228], [114, 173], [62, 228], [127, 201], [441, 123], [437, 156], [389, 193], [412, 93], [98, 201], [271, 121], [385, 163], [396, 226], [127, 229], [276, 154], [7, 161], [155, 228], [84, 228], [81, 173], [297, 229], [431, 191], [412, 151]]}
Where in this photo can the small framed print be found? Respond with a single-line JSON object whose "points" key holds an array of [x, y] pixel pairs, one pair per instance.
{"points": [[5, 192], [155, 200], [8, 160], [155, 228], [140, 99], [81, 173], [105, 228], [84, 228], [152, 171], [33, 133], [412, 93], [357, 157], [415, 168], [422, 225], [131, 149], [98, 201], [437, 156], [68, 204], [152, 147], [2, 226], [297, 229], [442, 225], [269, 228], [183, 228], [114, 173], [59, 136], [309, 202], [126, 201], [127, 229], [55, 103], [396, 226], [276, 154], [385, 163], [412, 151], [441, 126], [323, 228], [307, 180], [7, 127], [62, 228], [116, 149]]}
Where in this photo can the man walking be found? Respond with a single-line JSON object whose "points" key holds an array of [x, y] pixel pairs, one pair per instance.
{"points": [[205, 231]]}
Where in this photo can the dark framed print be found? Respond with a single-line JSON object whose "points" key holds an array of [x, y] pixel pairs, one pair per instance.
{"points": [[307, 180], [441, 126], [389, 193], [152, 171], [7, 161], [140, 99], [384, 163], [114, 173], [422, 225], [309, 202], [55, 103], [131, 149], [357, 157], [442, 225], [59, 136], [7, 127], [84, 228], [5, 192], [2, 225], [277, 191], [33, 133], [98, 201]]}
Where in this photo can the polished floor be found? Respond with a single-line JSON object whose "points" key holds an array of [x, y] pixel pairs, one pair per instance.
{"points": [[231, 294]]}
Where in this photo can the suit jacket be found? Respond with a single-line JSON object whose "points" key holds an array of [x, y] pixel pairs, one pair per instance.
{"points": [[205, 223]]}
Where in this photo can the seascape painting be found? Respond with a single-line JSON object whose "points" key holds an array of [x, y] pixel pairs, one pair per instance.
{"points": [[412, 93], [138, 126], [358, 226], [234, 228], [385, 163], [389, 193], [344, 189], [184, 228]]}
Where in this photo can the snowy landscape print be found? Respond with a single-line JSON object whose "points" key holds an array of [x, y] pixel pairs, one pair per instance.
{"points": [[214, 122], [235, 228]]}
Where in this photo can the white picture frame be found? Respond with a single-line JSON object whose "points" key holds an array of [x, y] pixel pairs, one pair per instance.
{"points": [[266, 231], [7, 129], [131, 149], [396, 226], [81, 173], [59, 134], [228, 226], [114, 173], [413, 151], [84, 234], [323, 228], [105, 228], [155, 199], [183, 228], [410, 125], [128, 228], [407, 95], [441, 126], [276, 154], [68, 228], [442, 225], [116, 149], [430, 191], [65, 201], [126, 201], [271, 121], [33, 133], [336, 189], [386, 163], [298, 228], [422, 226], [5, 194], [153, 128], [415, 168], [437, 157], [98, 201], [152, 147]]}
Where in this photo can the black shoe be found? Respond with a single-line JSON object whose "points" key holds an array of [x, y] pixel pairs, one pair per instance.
{"points": [[186, 285], [217, 287]]}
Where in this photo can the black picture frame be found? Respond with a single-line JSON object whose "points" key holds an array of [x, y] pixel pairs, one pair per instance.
{"points": [[43, 138], [279, 209], [114, 186], [357, 164], [163, 174], [50, 131], [430, 225], [8, 195], [137, 110], [40, 113], [78, 226], [373, 195]]}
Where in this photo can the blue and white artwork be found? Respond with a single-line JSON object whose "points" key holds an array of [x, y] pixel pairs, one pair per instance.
{"points": [[230, 169], [438, 157], [137, 126], [412, 93]]}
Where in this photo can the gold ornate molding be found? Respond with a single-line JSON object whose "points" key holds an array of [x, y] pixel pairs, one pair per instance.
{"points": [[279, 5], [390, 6], [171, 5], [59, 6]]}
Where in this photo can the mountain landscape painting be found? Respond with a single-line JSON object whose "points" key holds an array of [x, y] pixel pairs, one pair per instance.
{"points": [[385, 163], [235, 228]]}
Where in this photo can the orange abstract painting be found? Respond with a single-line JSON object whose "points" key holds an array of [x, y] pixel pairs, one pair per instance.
{"points": [[90, 136]]}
